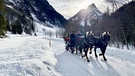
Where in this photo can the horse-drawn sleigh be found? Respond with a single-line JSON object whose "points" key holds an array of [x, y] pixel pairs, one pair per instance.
{"points": [[89, 41]]}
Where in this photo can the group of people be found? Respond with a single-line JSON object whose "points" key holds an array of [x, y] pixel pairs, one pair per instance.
{"points": [[71, 38]]}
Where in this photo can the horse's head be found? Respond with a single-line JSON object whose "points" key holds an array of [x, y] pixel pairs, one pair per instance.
{"points": [[106, 37], [89, 38]]}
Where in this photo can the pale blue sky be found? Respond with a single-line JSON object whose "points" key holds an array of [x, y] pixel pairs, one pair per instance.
{"points": [[68, 8]]}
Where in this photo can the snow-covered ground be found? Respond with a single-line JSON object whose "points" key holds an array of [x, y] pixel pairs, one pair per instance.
{"points": [[41, 56]]}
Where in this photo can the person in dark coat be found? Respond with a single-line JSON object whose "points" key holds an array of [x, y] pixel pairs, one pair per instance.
{"points": [[78, 34], [72, 39]]}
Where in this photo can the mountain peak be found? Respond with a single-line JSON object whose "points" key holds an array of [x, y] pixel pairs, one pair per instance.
{"points": [[86, 17], [92, 6], [91, 10]]}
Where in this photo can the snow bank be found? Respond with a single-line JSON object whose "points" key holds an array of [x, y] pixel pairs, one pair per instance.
{"points": [[28, 56], [40, 56]]}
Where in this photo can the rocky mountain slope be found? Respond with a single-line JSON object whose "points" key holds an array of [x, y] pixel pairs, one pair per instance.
{"points": [[85, 18], [32, 10]]}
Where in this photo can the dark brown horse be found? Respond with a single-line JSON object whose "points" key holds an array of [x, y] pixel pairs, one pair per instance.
{"points": [[101, 42], [84, 43]]}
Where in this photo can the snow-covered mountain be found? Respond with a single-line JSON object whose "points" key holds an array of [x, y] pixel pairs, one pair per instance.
{"points": [[119, 2], [40, 9], [87, 16], [33, 16], [84, 19]]}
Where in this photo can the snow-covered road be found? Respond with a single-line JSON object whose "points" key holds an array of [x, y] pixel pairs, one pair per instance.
{"points": [[33, 56], [123, 64]]}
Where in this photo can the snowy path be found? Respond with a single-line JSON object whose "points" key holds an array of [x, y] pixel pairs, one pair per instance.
{"points": [[72, 65], [32, 56]]}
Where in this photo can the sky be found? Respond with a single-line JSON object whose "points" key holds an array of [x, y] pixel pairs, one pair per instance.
{"points": [[68, 8]]}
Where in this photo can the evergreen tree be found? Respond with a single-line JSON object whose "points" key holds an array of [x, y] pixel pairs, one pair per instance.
{"points": [[2, 25], [2, 18], [2, 6]]}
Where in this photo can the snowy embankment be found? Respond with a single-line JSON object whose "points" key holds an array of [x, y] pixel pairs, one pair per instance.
{"points": [[26, 56], [35, 56]]}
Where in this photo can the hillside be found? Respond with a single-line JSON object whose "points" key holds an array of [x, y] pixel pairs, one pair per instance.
{"points": [[25, 14]]}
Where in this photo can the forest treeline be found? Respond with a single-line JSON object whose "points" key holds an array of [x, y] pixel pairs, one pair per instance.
{"points": [[121, 25], [14, 21]]}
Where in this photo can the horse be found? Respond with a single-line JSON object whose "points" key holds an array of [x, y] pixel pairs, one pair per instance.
{"points": [[102, 43], [83, 43], [90, 41], [78, 43]]}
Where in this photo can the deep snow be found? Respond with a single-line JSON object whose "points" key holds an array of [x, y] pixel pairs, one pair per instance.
{"points": [[34, 56]]}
